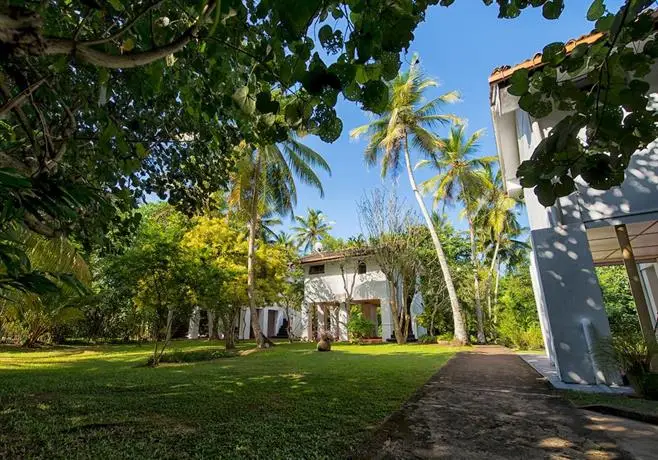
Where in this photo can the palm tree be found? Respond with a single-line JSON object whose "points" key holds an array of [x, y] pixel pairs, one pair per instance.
{"points": [[500, 224], [311, 229], [265, 181], [461, 177], [406, 123], [284, 239]]}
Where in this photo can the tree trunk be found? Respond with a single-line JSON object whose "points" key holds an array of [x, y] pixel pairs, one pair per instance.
{"points": [[157, 354], [476, 284], [289, 325], [261, 340], [457, 318], [495, 294], [229, 330], [212, 328], [494, 266], [400, 337]]}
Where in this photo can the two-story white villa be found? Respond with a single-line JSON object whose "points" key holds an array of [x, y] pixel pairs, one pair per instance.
{"points": [[587, 228], [334, 279]]}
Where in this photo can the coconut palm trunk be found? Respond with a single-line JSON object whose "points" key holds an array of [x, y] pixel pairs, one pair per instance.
{"points": [[490, 275], [479, 314], [261, 340], [458, 320]]}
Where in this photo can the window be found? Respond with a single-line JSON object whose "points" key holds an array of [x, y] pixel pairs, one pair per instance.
{"points": [[316, 269], [361, 268]]}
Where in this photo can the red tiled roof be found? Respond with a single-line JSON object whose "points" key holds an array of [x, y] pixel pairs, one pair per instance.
{"points": [[503, 73], [328, 256]]}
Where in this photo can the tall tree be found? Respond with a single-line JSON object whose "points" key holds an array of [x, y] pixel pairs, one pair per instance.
{"points": [[462, 177], [265, 181], [392, 230], [311, 229], [407, 123], [499, 225]]}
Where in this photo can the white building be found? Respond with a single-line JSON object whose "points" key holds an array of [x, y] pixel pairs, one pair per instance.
{"points": [[273, 322], [330, 277], [587, 228]]}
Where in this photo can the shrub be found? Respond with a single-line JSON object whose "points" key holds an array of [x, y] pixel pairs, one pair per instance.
{"points": [[516, 335], [630, 354], [518, 323], [359, 327], [426, 339]]}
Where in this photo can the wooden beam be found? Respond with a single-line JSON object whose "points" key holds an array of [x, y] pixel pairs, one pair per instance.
{"points": [[646, 324]]}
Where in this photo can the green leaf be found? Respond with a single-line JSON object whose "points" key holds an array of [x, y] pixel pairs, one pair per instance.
{"points": [[596, 10], [604, 23], [565, 187], [520, 82], [265, 104], [128, 44], [553, 9], [116, 4], [10, 178], [375, 96], [535, 105], [545, 193], [243, 101], [554, 53], [325, 34]]}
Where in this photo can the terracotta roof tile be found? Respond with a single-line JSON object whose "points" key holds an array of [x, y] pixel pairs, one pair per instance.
{"points": [[503, 73], [328, 256]]}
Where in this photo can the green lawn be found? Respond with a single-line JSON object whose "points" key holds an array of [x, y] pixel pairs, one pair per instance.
{"points": [[288, 402], [581, 399]]}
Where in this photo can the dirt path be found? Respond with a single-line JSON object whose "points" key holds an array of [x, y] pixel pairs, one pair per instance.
{"points": [[488, 404]]}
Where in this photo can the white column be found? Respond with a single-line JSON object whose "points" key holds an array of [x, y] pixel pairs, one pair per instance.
{"points": [[245, 324], [342, 317], [193, 328], [306, 321], [649, 275], [211, 323], [541, 312], [387, 319]]}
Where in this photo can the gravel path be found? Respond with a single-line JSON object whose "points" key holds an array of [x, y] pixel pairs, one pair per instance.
{"points": [[488, 404]]}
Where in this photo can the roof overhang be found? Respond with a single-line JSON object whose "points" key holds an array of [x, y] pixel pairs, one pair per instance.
{"points": [[605, 248], [322, 257]]}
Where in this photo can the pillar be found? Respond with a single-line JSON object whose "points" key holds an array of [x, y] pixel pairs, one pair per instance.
{"points": [[572, 299], [387, 318], [646, 322], [342, 321], [193, 328], [649, 274]]}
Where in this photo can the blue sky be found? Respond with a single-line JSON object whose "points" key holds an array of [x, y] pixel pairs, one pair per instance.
{"points": [[460, 46]]}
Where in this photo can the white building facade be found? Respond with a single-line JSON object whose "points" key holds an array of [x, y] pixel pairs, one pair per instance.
{"points": [[273, 322], [577, 233], [331, 279]]}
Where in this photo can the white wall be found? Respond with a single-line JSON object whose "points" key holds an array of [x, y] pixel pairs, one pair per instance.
{"points": [[329, 287]]}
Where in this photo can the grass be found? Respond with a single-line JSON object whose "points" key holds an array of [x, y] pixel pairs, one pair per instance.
{"points": [[581, 399], [288, 402]]}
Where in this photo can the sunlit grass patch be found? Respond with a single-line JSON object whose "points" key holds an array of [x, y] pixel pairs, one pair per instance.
{"points": [[287, 402]]}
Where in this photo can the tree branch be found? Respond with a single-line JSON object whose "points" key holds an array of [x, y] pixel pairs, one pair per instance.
{"points": [[37, 226], [20, 98], [12, 32], [125, 28]]}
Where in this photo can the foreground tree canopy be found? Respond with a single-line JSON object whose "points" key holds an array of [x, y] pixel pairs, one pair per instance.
{"points": [[106, 101]]}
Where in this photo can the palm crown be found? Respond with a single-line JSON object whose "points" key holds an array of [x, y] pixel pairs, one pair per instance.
{"points": [[311, 229], [461, 175], [408, 116]]}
